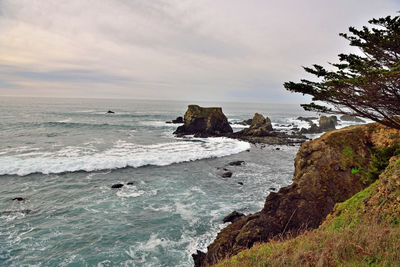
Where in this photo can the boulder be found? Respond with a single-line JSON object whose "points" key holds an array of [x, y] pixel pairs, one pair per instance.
{"points": [[117, 186], [204, 122], [18, 199], [236, 163], [233, 217], [110, 112], [351, 118], [224, 173]]}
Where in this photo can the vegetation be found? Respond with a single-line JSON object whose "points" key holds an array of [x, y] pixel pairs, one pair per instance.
{"points": [[362, 231], [367, 85]]}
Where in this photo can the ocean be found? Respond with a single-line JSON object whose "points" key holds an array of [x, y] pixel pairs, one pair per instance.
{"points": [[63, 155]]}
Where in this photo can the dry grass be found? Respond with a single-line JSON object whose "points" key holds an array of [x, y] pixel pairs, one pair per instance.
{"points": [[369, 244]]}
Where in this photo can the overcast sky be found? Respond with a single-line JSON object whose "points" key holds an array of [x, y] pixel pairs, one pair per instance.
{"points": [[232, 50]]}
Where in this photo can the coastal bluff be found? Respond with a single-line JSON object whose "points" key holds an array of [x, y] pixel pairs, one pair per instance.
{"points": [[328, 170], [204, 122]]}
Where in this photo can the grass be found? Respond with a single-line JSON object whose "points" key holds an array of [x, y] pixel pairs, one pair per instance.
{"points": [[346, 239], [362, 231]]}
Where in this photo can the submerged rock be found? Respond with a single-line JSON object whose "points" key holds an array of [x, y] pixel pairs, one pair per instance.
{"points": [[236, 163], [117, 185], [204, 122], [18, 199], [233, 217]]}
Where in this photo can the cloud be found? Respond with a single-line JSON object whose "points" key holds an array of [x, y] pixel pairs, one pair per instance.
{"points": [[176, 49]]}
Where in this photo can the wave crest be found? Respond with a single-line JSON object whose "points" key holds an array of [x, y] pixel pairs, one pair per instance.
{"points": [[121, 155]]}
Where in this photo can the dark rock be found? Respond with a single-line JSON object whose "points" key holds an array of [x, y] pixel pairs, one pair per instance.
{"points": [[110, 112], [130, 183], [204, 122], [18, 199], [351, 118], [178, 120], [259, 127], [233, 217], [117, 185], [226, 174], [198, 258], [241, 183], [236, 163], [277, 148], [272, 189]]}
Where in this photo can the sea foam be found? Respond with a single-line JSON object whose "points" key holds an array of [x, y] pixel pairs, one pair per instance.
{"points": [[122, 154]]}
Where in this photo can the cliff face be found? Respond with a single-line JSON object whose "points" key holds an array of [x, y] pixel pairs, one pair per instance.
{"points": [[328, 170]]}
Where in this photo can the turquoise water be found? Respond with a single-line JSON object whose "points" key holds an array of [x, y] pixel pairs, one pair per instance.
{"points": [[63, 155]]}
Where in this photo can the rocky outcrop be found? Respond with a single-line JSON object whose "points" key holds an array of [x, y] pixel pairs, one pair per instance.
{"points": [[351, 118], [261, 131], [177, 120], [233, 217], [326, 172], [260, 126], [325, 124], [204, 122]]}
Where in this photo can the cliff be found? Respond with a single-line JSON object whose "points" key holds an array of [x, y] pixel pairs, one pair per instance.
{"points": [[328, 170], [362, 231]]}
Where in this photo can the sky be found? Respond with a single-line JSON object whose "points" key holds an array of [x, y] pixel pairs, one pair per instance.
{"points": [[209, 50]]}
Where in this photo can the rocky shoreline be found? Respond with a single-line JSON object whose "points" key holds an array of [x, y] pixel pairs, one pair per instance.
{"points": [[325, 173]]}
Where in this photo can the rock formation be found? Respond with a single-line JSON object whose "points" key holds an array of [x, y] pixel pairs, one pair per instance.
{"points": [[326, 172], [325, 124], [351, 118], [260, 126], [177, 120], [204, 122]]}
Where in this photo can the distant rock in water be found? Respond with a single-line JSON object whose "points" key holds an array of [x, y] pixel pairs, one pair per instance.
{"points": [[110, 112], [18, 199], [233, 217], [260, 126], [351, 118], [236, 163], [204, 122], [177, 120], [117, 185], [327, 123]]}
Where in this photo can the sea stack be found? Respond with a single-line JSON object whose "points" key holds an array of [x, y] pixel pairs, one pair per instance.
{"points": [[204, 122]]}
